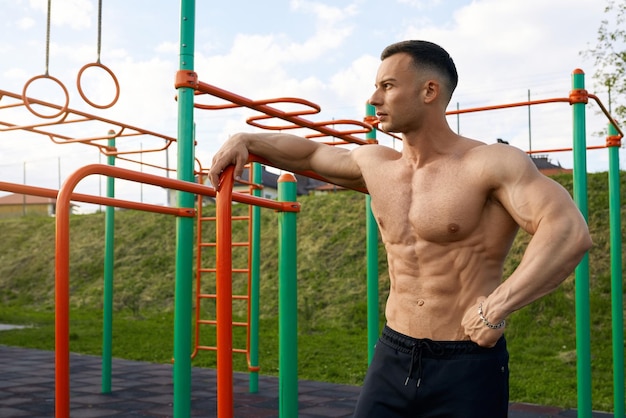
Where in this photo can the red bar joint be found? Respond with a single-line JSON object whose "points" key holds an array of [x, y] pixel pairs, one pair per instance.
{"points": [[186, 78], [578, 96]]}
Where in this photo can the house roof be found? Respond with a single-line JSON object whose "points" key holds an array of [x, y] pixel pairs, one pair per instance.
{"points": [[18, 199], [304, 184]]}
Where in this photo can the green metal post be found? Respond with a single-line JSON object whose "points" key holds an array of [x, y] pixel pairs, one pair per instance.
{"points": [[184, 225], [617, 302], [583, 325], [372, 260], [107, 314], [287, 303], [255, 271]]}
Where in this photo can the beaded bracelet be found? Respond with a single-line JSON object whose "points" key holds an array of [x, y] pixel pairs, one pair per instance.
{"points": [[499, 325]]}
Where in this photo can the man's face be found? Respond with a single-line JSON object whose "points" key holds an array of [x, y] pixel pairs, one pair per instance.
{"points": [[396, 98]]}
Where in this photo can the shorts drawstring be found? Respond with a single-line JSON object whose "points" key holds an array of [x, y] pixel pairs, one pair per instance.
{"points": [[417, 350]]}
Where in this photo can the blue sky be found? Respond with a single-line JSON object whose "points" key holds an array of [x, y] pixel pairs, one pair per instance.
{"points": [[320, 50]]}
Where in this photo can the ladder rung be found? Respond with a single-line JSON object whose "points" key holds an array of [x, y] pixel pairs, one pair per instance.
{"points": [[208, 218], [206, 347], [213, 348], [214, 322], [213, 296]]}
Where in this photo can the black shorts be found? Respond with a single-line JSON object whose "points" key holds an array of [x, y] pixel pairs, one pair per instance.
{"points": [[421, 378]]}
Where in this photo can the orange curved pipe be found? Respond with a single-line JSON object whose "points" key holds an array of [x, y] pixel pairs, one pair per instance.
{"points": [[65, 195], [268, 110], [608, 115]]}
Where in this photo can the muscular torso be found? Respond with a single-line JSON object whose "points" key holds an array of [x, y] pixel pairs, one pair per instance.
{"points": [[445, 234]]}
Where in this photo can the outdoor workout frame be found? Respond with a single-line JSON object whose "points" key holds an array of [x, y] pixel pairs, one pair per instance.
{"points": [[188, 87]]}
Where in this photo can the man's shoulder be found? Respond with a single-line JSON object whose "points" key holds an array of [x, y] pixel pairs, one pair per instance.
{"points": [[498, 154], [375, 151]]}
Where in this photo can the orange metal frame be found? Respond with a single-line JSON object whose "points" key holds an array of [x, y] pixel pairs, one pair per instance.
{"points": [[62, 252]]}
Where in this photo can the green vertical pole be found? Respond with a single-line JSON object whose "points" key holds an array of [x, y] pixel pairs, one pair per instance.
{"points": [[287, 303], [617, 303], [107, 314], [583, 326], [372, 260], [184, 225], [255, 271]]}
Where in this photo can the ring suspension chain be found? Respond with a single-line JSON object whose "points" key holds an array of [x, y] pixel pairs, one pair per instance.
{"points": [[99, 29], [48, 36]]}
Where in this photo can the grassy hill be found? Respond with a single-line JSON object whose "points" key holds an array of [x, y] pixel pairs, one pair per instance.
{"points": [[331, 292]]}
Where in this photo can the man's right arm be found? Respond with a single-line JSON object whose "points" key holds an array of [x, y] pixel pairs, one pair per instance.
{"points": [[287, 152]]}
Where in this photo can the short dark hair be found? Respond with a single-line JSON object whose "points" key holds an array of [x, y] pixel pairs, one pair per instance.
{"points": [[429, 55]]}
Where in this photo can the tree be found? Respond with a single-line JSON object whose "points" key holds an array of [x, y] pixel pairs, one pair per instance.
{"points": [[609, 56]]}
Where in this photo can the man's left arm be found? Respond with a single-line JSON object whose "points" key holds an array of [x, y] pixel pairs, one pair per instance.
{"points": [[560, 238]]}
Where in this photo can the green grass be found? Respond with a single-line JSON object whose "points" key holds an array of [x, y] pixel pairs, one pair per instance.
{"points": [[331, 295]]}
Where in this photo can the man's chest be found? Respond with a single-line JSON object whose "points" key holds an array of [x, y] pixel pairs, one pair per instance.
{"points": [[436, 207]]}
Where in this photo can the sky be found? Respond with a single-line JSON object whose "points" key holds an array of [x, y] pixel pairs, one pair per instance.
{"points": [[324, 51]]}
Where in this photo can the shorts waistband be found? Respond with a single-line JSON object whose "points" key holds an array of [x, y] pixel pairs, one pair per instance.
{"points": [[406, 344]]}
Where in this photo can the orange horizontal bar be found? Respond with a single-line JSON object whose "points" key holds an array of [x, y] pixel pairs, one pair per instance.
{"points": [[546, 151], [212, 348], [508, 105], [106, 201]]}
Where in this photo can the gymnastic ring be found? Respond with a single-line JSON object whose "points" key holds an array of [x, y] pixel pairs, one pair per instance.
{"points": [[29, 107], [82, 94]]}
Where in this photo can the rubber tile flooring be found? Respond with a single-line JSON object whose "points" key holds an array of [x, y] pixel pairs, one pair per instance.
{"points": [[145, 390]]}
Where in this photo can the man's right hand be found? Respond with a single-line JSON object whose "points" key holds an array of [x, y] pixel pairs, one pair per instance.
{"points": [[233, 152]]}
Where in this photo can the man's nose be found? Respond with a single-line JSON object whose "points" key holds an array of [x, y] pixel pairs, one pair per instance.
{"points": [[374, 100]]}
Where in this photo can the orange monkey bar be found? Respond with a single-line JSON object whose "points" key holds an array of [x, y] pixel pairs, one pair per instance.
{"points": [[190, 79], [67, 118]]}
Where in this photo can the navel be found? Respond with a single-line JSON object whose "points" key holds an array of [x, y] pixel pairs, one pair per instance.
{"points": [[453, 228]]}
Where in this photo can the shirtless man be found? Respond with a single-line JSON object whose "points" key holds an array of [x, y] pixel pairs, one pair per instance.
{"points": [[448, 209]]}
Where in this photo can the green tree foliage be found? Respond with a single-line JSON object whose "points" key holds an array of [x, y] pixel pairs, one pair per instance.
{"points": [[609, 55]]}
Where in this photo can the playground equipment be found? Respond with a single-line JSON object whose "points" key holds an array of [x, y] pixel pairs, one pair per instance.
{"points": [[189, 90]]}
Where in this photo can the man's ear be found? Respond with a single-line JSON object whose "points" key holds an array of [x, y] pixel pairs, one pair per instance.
{"points": [[432, 90]]}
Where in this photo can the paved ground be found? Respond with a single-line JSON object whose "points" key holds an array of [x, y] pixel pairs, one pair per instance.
{"points": [[145, 390]]}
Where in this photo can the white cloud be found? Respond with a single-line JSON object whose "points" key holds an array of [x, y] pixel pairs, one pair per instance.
{"points": [[420, 4], [26, 23]]}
